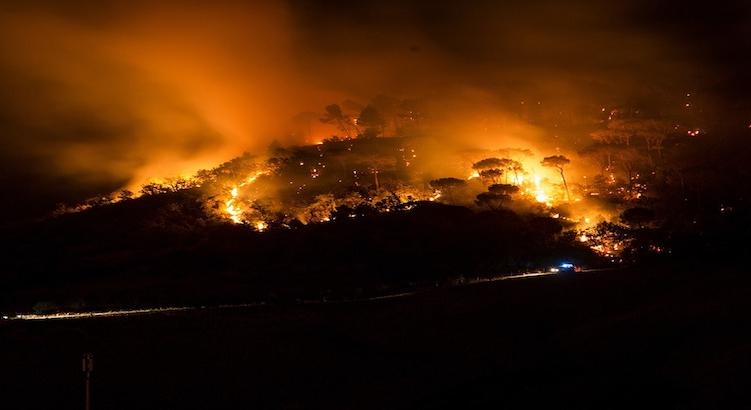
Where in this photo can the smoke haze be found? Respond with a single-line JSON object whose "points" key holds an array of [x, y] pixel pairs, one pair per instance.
{"points": [[102, 95]]}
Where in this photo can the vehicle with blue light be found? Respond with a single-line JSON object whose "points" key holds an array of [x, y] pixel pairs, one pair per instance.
{"points": [[565, 267]]}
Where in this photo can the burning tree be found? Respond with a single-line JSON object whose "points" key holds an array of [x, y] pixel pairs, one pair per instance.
{"points": [[154, 188], [447, 185], [511, 165], [617, 132], [335, 115], [492, 175], [504, 189], [601, 152], [630, 160], [320, 210], [490, 169], [496, 167], [558, 162], [622, 132], [488, 163]]}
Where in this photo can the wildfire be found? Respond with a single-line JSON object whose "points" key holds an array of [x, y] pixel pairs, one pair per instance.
{"points": [[540, 194], [233, 211], [533, 185]]}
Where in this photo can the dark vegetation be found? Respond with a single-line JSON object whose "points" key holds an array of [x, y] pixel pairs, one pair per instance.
{"points": [[681, 196], [169, 247], [163, 249]]}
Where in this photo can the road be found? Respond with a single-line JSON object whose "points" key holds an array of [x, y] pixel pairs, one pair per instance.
{"points": [[168, 309], [657, 338]]}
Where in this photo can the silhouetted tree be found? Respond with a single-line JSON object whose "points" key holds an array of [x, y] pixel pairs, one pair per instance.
{"points": [[603, 153], [205, 176], [388, 108], [335, 116], [447, 185], [623, 131], [558, 162], [178, 184], [511, 166], [125, 194], [505, 189], [493, 175], [488, 163], [629, 160], [372, 121], [153, 188], [491, 199]]}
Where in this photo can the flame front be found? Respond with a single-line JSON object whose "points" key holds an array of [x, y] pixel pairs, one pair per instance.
{"points": [[540, 195], [231, 207], [232, 211]]}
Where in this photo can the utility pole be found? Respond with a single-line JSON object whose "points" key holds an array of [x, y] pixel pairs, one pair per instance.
{"points": [[88, 367]]}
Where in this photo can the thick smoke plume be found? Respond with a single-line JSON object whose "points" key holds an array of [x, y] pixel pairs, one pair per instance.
{"points": [[103, 95]]}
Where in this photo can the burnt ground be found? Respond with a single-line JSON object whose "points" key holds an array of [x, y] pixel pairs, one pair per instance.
{"points": [[661, 337]]}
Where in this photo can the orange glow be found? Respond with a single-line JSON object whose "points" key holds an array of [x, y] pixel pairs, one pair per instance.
{"points": [[540, 194], [233, 209]]}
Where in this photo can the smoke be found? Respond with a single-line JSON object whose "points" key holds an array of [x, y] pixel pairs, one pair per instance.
{"points": [[101, 95]]}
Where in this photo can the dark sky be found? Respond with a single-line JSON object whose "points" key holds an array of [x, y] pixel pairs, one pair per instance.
{"points": [[99, 95]]}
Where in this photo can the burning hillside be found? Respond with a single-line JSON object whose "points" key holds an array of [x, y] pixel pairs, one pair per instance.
{"points": [[622, 167], [389, 211], [300, 167], [530, 161], [393, 155]]}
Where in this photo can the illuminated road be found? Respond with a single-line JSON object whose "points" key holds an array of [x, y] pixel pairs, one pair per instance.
{"points": [[146, 311], [86, 315], [512, 277], [116, 313]]}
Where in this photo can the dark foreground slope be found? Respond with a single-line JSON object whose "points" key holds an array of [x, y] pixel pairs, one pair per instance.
{"points": [[161, 251], [666, 338]]}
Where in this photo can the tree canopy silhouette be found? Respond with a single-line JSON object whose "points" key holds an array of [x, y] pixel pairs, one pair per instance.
{"points": [[558, 162]]}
